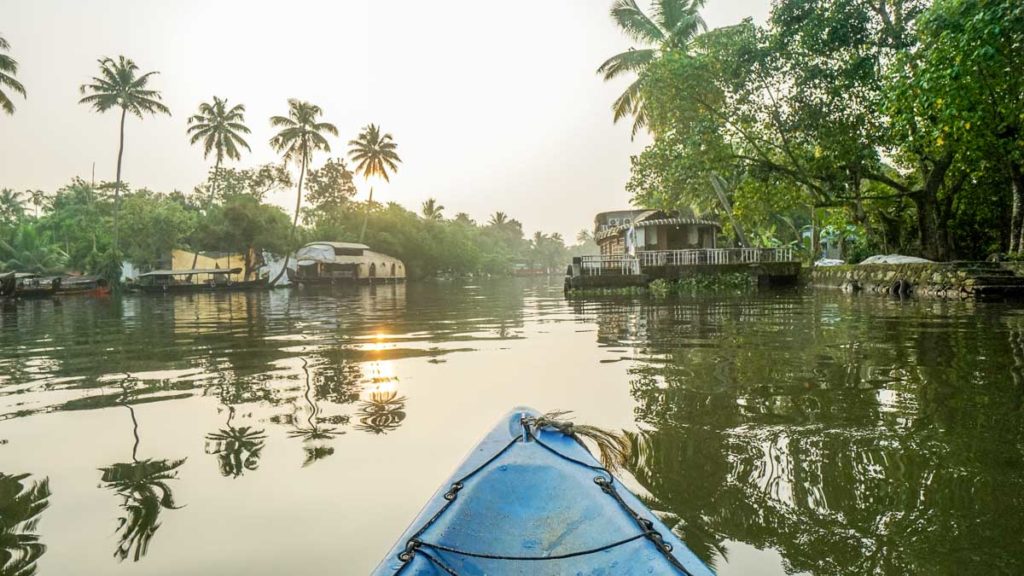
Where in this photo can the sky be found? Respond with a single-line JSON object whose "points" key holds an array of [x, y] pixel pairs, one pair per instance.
{"points": [[494, 106]]}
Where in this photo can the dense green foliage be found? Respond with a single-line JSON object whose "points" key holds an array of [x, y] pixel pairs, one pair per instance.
{"points": [[73, 231], [899, 118]]}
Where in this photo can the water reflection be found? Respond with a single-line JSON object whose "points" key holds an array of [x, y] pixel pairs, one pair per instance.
{"points": [[311, 430], [22, 502], [145, 490], [839, 440], [847, 435], [237, 448]]}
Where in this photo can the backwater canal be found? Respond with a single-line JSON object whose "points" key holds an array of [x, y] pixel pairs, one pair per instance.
{"points": [[295, 432]]}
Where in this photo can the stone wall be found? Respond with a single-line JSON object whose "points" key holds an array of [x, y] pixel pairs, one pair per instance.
{"points": [[961, 280]]}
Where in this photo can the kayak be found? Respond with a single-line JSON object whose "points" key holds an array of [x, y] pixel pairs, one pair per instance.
{"points": [[531, 500]]}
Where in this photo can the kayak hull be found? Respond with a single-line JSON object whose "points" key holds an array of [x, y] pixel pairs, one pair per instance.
{"points": [[533, 510]]}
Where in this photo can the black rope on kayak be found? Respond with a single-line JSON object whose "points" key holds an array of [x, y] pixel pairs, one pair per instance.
{"points": [[605, 480]]}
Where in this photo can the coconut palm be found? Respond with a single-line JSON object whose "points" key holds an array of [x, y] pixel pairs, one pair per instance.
{"points": [[301, 134], [21, 504], [672, 25], [28, 250], [8, 69], [12, 206], [432, 210], [374, 154], [120, 85], [498, 219], [220, 128]]}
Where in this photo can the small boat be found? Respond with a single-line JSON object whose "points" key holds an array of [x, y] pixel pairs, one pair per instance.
{"points": [[83, 286], [180, 281], [530, 499], [29, 285]]}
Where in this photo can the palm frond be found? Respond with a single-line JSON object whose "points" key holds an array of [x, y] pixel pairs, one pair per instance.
{"points": [[635, 23]]}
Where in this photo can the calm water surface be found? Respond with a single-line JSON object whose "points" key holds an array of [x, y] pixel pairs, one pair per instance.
{"points": [[299, 433]]}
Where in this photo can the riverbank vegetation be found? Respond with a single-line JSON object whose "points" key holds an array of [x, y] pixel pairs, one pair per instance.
{"points": [[895, 126], [93, 228]]}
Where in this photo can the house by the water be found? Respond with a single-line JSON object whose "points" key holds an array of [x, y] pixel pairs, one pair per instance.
{"points": [[631, 231], [339, 263], [638, 246]]}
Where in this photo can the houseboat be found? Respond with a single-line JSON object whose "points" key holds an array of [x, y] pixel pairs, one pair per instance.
{"points": [[639, 246], [341, 263], [194, 280]]}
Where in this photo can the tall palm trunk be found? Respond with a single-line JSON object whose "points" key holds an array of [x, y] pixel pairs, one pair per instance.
{"points": [[209, 202], [117, 185], [366, 215], [295, 220], [1017, 214]]}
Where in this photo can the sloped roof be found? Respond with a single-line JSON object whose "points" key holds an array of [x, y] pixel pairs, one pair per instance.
{"points": [[343, 245], [641, 223]]}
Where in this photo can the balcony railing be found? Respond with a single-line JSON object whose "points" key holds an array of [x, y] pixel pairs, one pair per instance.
{"points": [[631, 265], [607, 265], [714, 256]]}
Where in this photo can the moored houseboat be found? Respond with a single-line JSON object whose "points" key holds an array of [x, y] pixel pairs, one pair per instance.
{"points": [[341, 263], [194, 280]]}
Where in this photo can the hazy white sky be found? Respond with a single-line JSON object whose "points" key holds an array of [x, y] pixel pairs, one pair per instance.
{"points": [[494, 106]]}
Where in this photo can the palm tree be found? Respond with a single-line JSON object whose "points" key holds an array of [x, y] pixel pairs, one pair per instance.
{"points": [[498, 219], [30, 251], [432, 210], [38, 199], [301, 134], [374, 154], [220, 128], [672, 26], [120, 85], [8, 68], [12, 206], [20, 506]]}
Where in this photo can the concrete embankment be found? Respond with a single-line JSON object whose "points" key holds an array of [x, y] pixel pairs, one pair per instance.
{"points": [[958, 280]]}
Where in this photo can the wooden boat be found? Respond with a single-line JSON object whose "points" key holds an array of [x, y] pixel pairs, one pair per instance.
{"points": [[531, 500], [83, 286], [180, 281], [29, 285]]}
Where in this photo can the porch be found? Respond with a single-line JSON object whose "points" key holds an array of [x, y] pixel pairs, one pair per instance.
{"points": [[769, 265]]}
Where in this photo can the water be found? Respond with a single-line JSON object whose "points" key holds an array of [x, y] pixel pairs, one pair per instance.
{"points": [[292, 432]]}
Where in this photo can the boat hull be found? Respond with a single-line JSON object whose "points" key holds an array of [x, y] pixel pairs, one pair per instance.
{"points": [[201, 288], [541, 512]]}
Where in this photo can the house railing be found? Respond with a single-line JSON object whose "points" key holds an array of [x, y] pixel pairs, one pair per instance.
{"points": [[699, 256], [606, 265], [625, 264]]}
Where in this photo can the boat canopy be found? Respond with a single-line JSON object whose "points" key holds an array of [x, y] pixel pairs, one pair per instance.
{"points": [[191, 272]]}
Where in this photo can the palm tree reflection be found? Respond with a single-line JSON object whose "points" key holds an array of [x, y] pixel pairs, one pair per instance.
{"points": [[313, 435], [143, 486], [382, 411], [20, 507], [237, 448]]}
